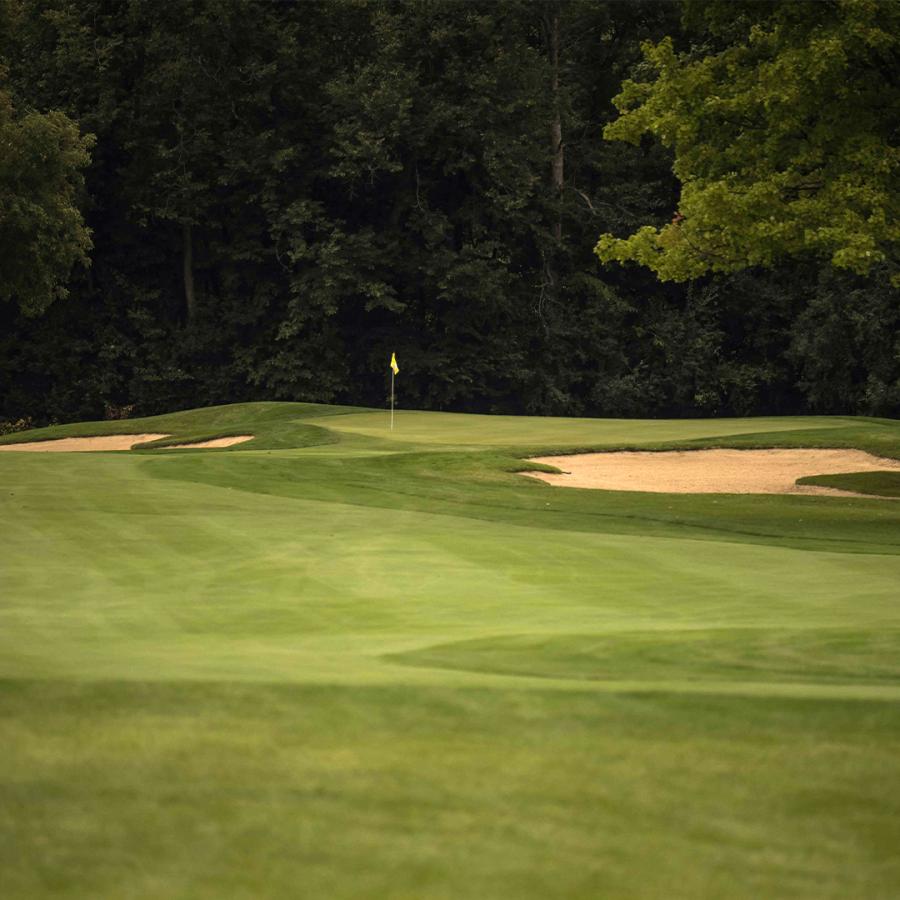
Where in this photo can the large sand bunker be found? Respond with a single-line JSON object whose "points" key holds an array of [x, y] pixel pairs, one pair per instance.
{"points": [[116, 442], [710, 471]]}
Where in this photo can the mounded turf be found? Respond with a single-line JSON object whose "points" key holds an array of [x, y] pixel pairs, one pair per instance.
{"points": [[881, 484], [339, 662]]}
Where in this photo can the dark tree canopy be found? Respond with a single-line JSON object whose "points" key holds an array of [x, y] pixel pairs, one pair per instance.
{"points": [[282, 194]]}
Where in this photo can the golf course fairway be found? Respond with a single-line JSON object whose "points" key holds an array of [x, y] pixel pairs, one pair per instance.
{"points": [[338, 662]]}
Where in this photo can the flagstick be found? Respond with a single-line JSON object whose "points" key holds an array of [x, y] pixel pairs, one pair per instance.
{"points": [[392, 399]]}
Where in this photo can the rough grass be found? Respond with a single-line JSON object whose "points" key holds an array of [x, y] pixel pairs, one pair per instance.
{"points": [[339, 662]]}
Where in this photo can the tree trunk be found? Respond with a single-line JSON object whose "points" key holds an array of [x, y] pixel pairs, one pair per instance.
{"points": [[189, 302], [557, 161]]}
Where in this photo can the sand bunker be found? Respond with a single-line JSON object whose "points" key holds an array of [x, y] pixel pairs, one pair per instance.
{"points": [[710, 471], [215, 442], [85, 444], [117, 442]]}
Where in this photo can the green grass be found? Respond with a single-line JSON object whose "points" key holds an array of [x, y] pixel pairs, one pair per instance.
{"points": [[807, 656], [881, 484], [341, 662]]}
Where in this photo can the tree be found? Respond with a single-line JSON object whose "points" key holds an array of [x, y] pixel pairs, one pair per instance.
{"points": [[784, 125], [281, 194], [42, 233]]}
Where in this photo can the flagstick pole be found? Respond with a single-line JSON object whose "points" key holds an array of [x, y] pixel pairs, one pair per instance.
{"points": [[392, 399]]}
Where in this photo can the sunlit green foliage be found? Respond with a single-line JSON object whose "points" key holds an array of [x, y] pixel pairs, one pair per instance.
{"points": [[784, 138], [42, 233]]}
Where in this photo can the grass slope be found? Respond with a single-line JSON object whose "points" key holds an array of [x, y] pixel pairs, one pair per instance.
{"points": [[342, 662], [881, 484]]}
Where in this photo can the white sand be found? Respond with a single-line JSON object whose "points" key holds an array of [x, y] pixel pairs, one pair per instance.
{"points": [[710, 471]]}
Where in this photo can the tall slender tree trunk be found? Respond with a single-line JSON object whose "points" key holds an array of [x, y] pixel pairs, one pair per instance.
{"points": [[549, 282], [189, 301], [558, 159]]}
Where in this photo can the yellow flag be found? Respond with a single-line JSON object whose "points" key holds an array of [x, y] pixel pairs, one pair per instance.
{"points": [[394, 367]]}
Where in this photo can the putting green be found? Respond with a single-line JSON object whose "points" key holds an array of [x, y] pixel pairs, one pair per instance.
{"points": [[356, 663], [466, 430]]}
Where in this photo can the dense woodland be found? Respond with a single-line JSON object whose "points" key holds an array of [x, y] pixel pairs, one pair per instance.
{"points": [[261, 200]]}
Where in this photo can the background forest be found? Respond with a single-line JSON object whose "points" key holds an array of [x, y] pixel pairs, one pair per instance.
{"points": [[279, 195]]}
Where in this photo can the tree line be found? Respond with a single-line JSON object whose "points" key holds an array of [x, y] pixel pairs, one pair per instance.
{"points": [[208, 201]]}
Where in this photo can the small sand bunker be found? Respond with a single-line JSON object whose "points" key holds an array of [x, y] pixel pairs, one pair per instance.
{"points": [[710, 471], [215, 442], [85, 444], [117, 442]]}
